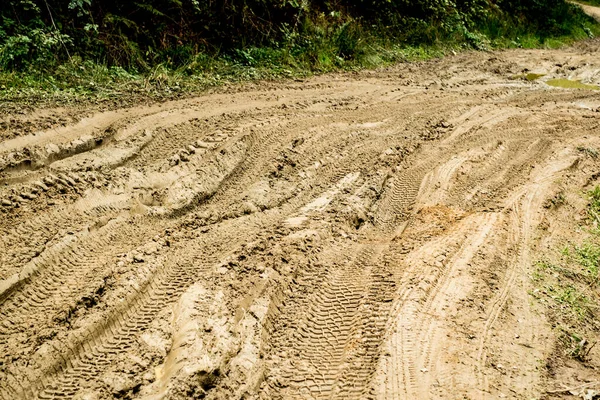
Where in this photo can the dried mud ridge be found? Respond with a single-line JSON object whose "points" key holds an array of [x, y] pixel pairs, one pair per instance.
{"points": [[353, 236]]}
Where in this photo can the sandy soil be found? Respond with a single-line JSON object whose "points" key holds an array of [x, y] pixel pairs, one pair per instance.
{"points": [[590, 10], [353, 236]]}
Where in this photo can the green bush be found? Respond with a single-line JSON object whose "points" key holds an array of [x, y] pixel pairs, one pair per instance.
{"points": [[142, 34]]}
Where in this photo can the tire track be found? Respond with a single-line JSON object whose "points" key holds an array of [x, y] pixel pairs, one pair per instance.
{"points": [[524, 208], [394, 208], [338, 339], [101, 345], [60, 279], [386, 279], [67, 386], [447, 290], [33, 237], [88, 352], [428, 286]]}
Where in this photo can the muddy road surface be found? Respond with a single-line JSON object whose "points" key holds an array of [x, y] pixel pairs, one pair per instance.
{"points": [[353, 236]]}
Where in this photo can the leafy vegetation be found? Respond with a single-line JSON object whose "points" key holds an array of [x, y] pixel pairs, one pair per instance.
{"points": [[589, 151], [86, 47]]}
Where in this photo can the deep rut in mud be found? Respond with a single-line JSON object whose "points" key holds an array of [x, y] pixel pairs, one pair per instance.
{"points": [[355, 236]]}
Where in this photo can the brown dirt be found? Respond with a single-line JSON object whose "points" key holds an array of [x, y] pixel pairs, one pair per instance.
{"points": [[360, 235], [590, 10]]}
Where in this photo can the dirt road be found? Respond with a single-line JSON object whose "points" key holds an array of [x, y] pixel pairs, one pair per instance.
{"points": [[590, 10], [353, 236]]}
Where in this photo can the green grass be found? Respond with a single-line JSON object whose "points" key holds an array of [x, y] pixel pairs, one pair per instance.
{"points": [[313, 49], [594, 199], [589, 151], [569, 287], [86, 80], [571, 302], [575, 344]]}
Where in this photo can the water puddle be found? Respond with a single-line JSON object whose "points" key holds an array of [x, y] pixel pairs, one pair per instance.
{"points": [[569, 84], [528, 77], [534, 77]]}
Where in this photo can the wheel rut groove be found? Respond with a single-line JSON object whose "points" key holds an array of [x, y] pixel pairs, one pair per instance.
{"points": [[351, 236]]}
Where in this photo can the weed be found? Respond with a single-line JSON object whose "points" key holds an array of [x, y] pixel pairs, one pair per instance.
{"points": [[587, 256], [572, 301], [575, 344], [555, 201], [589, 151], [594, 205], [569, 287]]}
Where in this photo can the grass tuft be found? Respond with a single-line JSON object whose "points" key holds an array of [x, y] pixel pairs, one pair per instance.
{"points": [[589, 151], [570, 288]]}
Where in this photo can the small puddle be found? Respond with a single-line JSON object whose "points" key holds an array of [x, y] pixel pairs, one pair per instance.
{"points": [[533, 77], [569, 84], [528, 77]]}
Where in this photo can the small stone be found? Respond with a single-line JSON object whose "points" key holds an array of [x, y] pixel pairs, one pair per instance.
{"points": [[222, 270], [52, 149], [175, 160], [249, 208], [139, 361], [184, 157], [119, 384], [191, 149], [87, 395], [6, 203], [152, 248], [148, 376], [138, 258]]}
